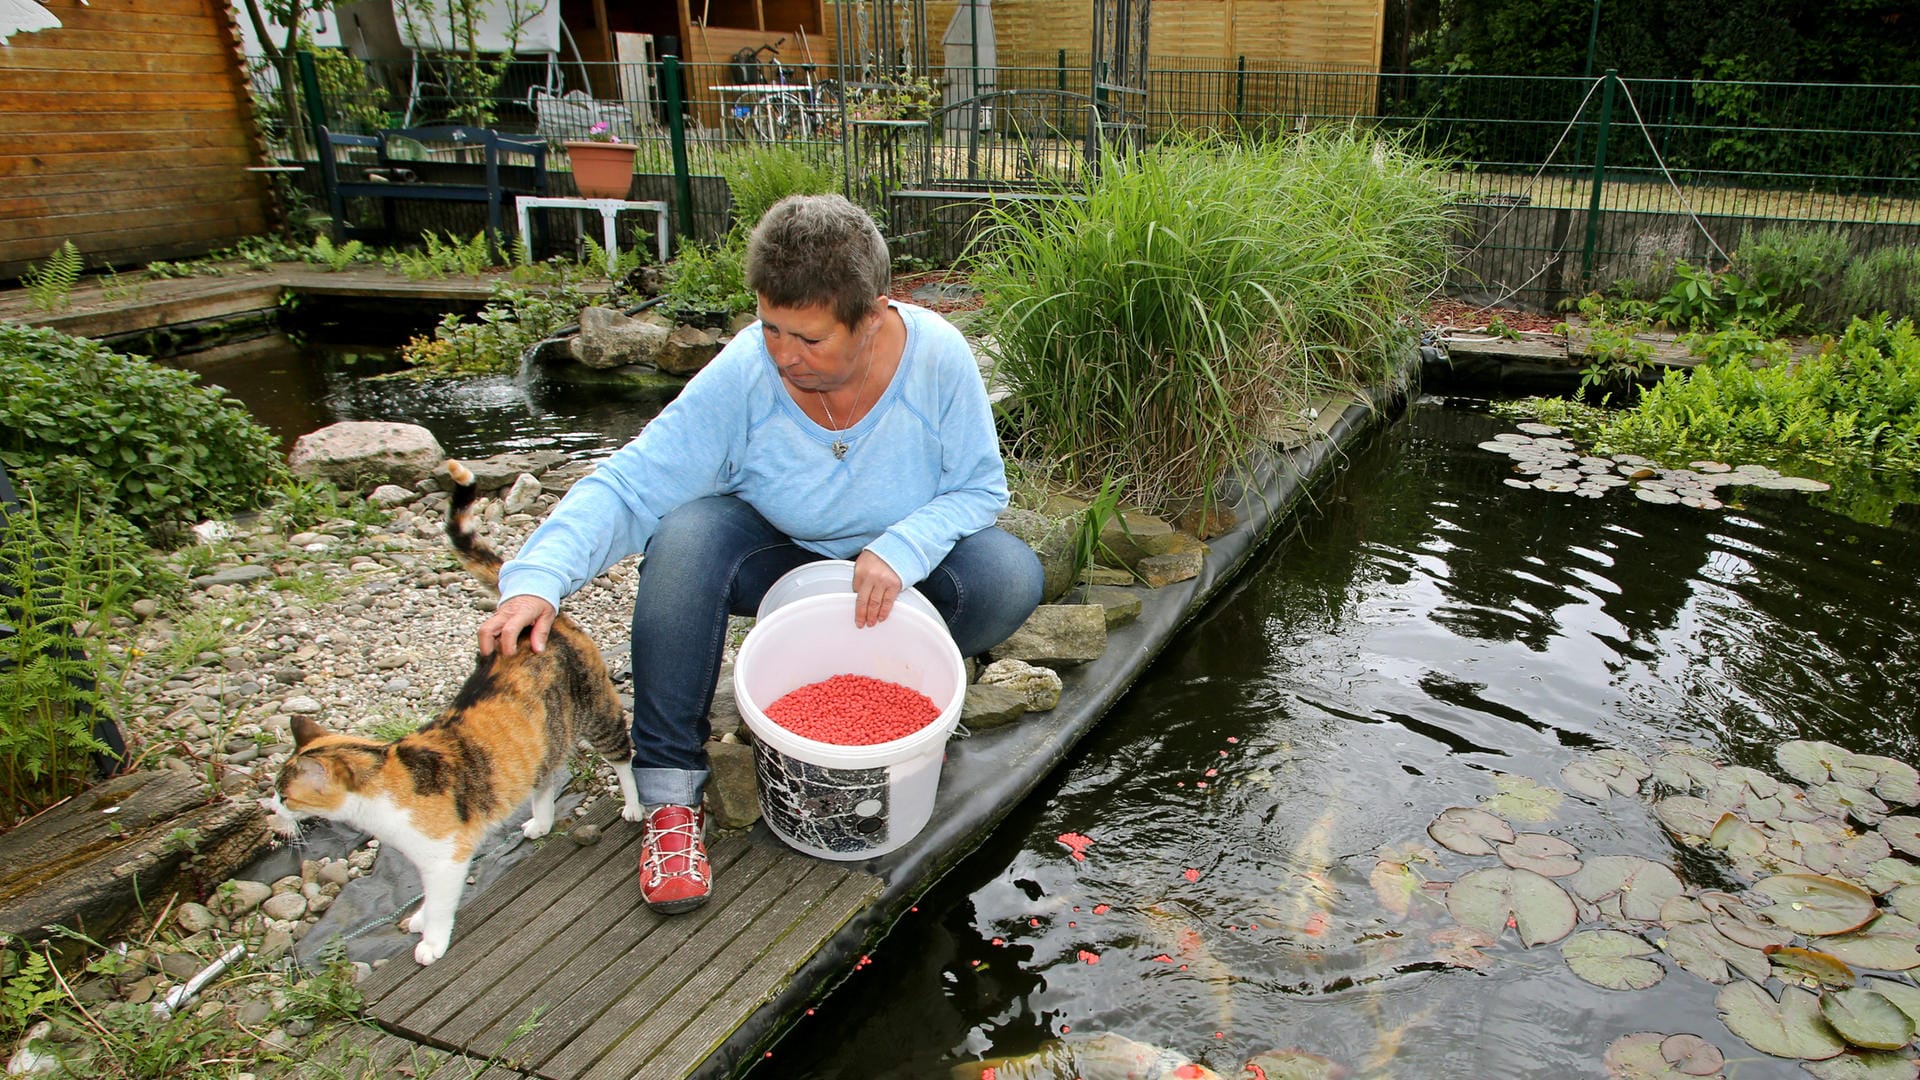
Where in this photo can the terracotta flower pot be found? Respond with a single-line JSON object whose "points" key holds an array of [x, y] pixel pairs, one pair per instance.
{"points": [[602, 170]]}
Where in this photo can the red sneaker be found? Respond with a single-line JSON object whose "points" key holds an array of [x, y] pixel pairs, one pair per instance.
{"points": [[674, 875]]}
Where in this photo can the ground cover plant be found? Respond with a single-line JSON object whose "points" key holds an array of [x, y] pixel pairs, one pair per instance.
{"points": [[512, 322], [1200, 293]]}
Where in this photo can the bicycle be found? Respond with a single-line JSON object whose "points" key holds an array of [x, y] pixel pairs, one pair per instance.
{"points": [[784, 110]]}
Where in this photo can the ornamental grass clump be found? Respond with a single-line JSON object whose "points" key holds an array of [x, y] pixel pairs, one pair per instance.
{"points": [[1201, 294]]}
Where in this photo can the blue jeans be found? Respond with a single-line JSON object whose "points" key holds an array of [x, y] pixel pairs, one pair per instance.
{"points": [[717, 556]]}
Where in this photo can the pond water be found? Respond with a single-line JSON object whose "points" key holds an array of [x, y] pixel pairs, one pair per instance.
{"points": [[294, 387], [1422, 636]]}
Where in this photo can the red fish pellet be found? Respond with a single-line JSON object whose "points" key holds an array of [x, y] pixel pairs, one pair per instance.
{"points": [[853, 710]]}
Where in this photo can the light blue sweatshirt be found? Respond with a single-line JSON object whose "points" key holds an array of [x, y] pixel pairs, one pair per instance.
{"points": [[922, 470]]}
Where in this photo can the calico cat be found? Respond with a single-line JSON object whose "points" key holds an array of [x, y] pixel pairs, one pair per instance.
{"points": [[435, 794]]}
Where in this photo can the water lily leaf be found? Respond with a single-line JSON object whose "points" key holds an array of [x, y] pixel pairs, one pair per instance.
{"points": [[1626, 886], [1396, 884], [1469, 830], [1818, 762], [1683, 909], [1686, 816], [1735, 836], [1605, 773], [1888, 943], [1825, 969], [1791, 1027], [1708, 954], [1846, 800], [1459, 946], [1889, 875], [1745, 926], [1895, 781], [1853, 858], [1498, 897], [1612, 959], [1548, 856], [1904, 995], [1521, 798], [1905, 901], [1652, 1055], [1816, 905], [1866, 1065], [1864, 1018], [1903, 833], [1685, 770], [1756, 783]]}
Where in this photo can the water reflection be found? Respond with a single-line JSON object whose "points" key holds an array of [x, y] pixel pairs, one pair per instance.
{"points": [[1421, 631], [294, 388]]}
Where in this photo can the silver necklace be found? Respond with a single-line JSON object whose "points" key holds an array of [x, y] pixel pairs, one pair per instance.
{"points": [[839, 446]]}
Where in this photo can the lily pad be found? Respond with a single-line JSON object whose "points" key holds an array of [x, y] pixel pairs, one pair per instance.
{"points": [[1653, 1055], [1903, 833], [1494, 898], [1469, 830], [1894, 780], [1685, 770], [1812, 762], [1816, 905], [1601, 775], [1743, 925], [1736, 836], [1890, 875], [1396, 884], [1864, 1065], [1853, 858], [1626, 886], [1791, 1027], [1498, 447], [1812, 965], [1459, 946], [1864, 1018], [1521, 798], [1888, 943], [1686, 816], [1847, 800], [1904, 995], [1657, 496], [1612, 959], [1710, 955], [1535, 428], [1905, 901], [1548, 856]]}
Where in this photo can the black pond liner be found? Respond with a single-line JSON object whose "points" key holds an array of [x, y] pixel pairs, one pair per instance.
{"points": [[986, 775]]}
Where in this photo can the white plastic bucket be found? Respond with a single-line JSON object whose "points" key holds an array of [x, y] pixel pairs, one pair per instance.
{"points": [[847, 802], [823, 578]]}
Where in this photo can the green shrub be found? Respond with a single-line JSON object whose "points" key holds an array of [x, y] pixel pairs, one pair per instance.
{"points": [[1886, 280], [1798, 266], [1857, 400], [1158, 328], [762, 175], [80, 421], [511, 323], [60, 570], [707, 279]]}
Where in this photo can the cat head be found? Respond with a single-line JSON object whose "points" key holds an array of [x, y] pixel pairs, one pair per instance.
{"points": [[321, 774]]}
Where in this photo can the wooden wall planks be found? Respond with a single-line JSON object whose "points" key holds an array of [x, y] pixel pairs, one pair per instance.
{"points": [[129, 131]]}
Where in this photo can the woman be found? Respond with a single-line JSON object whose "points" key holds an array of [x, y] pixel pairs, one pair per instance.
{"points": [[842, 425]]}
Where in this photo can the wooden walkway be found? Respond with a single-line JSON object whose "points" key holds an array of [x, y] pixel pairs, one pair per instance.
{"points": [[559, 971]]}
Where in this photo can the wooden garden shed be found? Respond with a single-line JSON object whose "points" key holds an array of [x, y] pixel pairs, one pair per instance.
{"points": [[128, 130]]}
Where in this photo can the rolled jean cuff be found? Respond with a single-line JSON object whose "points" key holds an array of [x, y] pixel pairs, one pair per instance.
{"points": [[679, 786]]}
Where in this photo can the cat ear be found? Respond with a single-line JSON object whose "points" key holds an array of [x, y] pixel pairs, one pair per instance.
{"points": [[305, 731]]}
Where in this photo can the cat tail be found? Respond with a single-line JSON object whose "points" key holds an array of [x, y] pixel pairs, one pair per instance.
{"points": [[480, 560]]}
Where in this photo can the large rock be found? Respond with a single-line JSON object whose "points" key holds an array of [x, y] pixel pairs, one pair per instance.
{"points": [[1121, 605], [1161, 570], [1057, 634], [687, 350], [363, 454], [1127, 537], [609, 339], [989, 706], [519, 498], [1052, 540], [494, 473], [1039, 687], [733, 795]]}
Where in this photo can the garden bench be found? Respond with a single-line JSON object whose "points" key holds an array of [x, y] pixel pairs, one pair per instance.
{"points": [[440, 164]]}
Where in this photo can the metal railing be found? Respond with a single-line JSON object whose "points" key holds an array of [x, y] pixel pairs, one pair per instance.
{"points": [[1563, 182]]}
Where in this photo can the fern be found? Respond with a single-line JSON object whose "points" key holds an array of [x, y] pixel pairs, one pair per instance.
{"points": [[629, 260], [337, 258], [25, 995], [50, 284]]}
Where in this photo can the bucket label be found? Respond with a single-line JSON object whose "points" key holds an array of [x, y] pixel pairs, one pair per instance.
{"points": [[841, 810]]}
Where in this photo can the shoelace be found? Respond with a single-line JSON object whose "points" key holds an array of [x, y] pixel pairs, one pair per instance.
{"points": [[657, 855]]}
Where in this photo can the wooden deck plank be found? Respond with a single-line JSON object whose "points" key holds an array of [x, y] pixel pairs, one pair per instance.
{"points": [[672, 979], [567, 961], [490, 989], [583, 988], [477, 909], [636, 1044], [810, 928]]}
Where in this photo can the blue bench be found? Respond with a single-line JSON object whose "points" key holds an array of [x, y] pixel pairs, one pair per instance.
{"points": [[459, 164]]}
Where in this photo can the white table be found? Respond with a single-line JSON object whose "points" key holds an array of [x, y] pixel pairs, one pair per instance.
{"points": [[609, 211]]}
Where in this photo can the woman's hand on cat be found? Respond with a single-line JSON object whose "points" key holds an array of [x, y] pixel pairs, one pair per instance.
{"points": [[515, 614]]}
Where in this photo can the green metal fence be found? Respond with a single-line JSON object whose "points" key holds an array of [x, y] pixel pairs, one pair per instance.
{"points": [[1563, 183]]}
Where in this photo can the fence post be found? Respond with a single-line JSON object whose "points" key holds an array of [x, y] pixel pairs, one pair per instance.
{"points": [[1599, 178], [310, 90], [1240, 92], [1060, 71], [677, 137]]}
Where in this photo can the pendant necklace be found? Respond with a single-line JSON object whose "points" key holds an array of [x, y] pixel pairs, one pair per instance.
{"points": [[839, 446]]}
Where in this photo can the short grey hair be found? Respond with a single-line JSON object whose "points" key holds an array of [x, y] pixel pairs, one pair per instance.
{"points": [[818, 249]]}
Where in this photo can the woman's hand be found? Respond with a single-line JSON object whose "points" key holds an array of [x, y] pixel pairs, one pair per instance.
{"points": [[874, 587], [516, 613]]}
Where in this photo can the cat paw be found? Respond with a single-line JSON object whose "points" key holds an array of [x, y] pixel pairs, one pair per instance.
{"points": [[534, 829], [633, 811], [406, 924], [427, 952]]}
